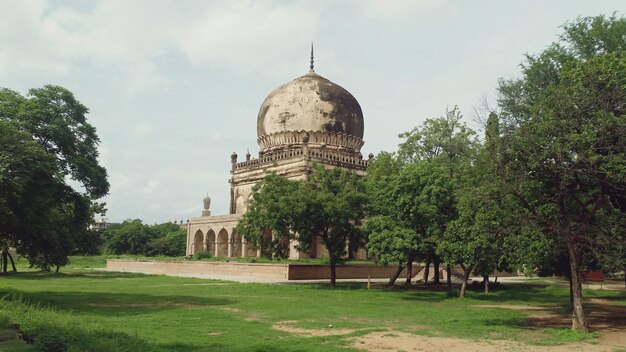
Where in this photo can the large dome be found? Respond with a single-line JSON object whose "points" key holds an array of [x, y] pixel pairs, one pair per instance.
{"points": [[310, 103]]}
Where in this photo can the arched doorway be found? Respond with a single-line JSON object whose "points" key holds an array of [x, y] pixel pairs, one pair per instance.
{"points": [[222, 244], [197, 242], [236, 243], [210, 242]]}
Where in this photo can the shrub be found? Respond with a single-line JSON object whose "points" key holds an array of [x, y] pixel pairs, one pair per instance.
{"points": [[202, 255]]}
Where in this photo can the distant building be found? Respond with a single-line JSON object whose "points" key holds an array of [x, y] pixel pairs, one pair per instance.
{"points": [[305, 121], [101, 225]]}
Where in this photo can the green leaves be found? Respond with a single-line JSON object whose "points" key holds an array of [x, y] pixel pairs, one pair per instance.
{"points": [[329, 205], [44, 138]]}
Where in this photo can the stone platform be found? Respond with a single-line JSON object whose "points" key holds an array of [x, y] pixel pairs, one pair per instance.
{"points": [[262, 272]]}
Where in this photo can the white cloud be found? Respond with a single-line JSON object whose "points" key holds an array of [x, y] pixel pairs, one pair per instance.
{"points": [[249, 35], [127, 38], [151, 186], [397, 10]]}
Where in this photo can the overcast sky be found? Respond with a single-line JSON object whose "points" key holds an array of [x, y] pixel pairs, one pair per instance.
{"points": [[174, 87]]}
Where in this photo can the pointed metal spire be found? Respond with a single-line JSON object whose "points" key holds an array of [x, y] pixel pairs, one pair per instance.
{"points": [[311, 67]]}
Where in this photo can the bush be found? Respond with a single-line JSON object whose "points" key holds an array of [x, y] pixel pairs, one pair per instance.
{"points": [[134, 237], [172, 244], [202, 255]]}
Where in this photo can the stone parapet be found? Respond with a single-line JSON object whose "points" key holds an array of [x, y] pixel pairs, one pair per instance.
{"points": [[351, 161], [278, 272]]}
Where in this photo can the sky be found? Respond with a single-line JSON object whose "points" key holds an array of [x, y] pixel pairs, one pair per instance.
{"points": [[174, 87]]}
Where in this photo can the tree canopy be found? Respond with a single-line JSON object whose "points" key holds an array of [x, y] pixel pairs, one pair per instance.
{"points": [[564, 129], [135, 237], [328, 205], [45, 141]]}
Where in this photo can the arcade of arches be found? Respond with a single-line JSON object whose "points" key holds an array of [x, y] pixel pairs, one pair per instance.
{"points": [[217, 236]]}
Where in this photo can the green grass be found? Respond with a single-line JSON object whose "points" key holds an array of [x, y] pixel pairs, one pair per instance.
{"points": [[94, 310]]}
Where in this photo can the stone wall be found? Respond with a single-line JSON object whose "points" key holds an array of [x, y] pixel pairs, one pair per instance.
{"points": [[254, 270]]}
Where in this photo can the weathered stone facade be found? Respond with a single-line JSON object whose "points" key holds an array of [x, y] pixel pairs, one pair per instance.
{"points": [[307, 121]]}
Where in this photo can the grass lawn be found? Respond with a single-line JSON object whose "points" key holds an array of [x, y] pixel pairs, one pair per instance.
{"points": [[93, 310]]}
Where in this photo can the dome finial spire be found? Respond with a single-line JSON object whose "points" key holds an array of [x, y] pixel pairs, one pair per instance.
{"points": [[311, 67]]}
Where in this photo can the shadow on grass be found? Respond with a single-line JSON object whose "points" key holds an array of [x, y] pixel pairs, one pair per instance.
{"points": [[49, 337], [524, 293], [43, 275], [112, 304]]}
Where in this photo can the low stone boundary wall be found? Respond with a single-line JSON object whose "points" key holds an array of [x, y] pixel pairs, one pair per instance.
{"points": [[255, 270], [287, 271], [348, 271]]}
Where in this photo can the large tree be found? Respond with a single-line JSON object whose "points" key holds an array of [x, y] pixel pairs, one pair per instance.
{"points": [[271, 213], [328, 205], [483, 237], [413, 206], [389, 238], [448, 145], [564, 127], [46, 141]]}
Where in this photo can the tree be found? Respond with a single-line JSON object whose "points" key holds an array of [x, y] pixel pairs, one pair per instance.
{"points": [[388, 239], [566, 153], [45, 140], [448, 144], [410, 206], [135, 237], [171, 240], [476, 239], [272, 211], [129, 237], [392, 242], [328, 205]]}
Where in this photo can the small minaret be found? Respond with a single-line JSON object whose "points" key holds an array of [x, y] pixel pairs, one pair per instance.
{"points": [[207, 204], [233, 160]]}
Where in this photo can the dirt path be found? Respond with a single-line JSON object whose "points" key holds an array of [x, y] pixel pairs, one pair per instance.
{"points": [[400, 341], [607, 319]]}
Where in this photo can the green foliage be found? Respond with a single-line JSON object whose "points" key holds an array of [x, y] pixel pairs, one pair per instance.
{"points": [[134, 237], [172, 244], [328, 205], [273, 209], [411, 195], [566, 155], [566, 152], [202, 255], [332, 207], [44, 139], [130, 237], [391, 242], [446, 140]]}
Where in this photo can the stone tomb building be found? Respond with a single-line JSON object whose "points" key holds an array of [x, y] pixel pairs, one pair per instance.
{"points": [[308, 120]]}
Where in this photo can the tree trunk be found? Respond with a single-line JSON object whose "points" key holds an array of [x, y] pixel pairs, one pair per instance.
{"points": [[57, 269], [449, 279], [392, 280], [409, 272], [5, 261], [571, 293], [486, 283], [466, 273], [333, 272], [436, 262], [427, 269], [12, 262], [579, 322]]}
